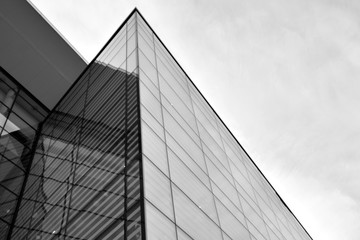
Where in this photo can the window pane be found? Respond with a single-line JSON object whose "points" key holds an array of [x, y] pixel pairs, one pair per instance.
{"points": [[188, 217], [149, 84], [154, 148], [193, 188], [230, 224], [169, 109], [182, 235], [219, 179], [148, 68], [147, 49], [150, 102], [158, 227], [152, 122], [194, 165], [183, 139], [157, 188]]}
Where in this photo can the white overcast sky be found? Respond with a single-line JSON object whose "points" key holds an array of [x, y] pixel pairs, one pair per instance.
{"points": [[282, 74]]}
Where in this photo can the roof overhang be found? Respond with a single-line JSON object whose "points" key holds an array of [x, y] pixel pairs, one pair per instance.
{"points": [[35, 54]]}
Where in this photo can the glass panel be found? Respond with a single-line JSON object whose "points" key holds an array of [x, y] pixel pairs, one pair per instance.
{"points": [[149, 84], [182, 235], [219, 179], [188, 217], [180, 87], [213, 147], [169, 109], [13, 184], [29, 110], [230, 224], [157, 225], [184, 140], [118, 41], [150, 102], [176, 101], [131, 63], [219, 164], [180, 153], [226, 237], [146, 47], [10, 167], [256, 235], [193, 188], [131, 43], [235, 210], [131, 29], [4, 228], [157, 188], [154, 148], [254, 218], [6, 195], [143, 28], [152, 122], [148, 68], [118, 55], [170, 63]]}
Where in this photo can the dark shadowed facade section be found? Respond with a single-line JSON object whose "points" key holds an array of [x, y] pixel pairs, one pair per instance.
{"points": [[85, 178], [20, 115]]}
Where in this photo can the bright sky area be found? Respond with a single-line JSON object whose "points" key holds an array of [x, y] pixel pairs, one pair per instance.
{"points": [[282, 74]]}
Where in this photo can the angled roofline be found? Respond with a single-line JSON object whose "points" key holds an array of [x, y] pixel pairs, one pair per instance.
{"points": [[221, 121], [56, 30]]}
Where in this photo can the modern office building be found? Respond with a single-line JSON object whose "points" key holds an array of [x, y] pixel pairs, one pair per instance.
{"points": [[133, 151]]}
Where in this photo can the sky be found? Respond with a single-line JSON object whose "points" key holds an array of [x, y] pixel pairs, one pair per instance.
{"points": [[284, 75]]}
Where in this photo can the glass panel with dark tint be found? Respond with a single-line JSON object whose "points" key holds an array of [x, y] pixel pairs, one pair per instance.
{"points": [[20, 115], [85, 179]]}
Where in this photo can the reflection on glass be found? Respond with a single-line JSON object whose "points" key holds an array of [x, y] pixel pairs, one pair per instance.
{"points": [[200, 151], [132, 149], [85, 178], [9, 127], [20, 115]]}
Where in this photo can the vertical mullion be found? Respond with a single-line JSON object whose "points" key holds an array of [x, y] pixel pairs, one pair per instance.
{"points": [[141, 165], [125, 134]]}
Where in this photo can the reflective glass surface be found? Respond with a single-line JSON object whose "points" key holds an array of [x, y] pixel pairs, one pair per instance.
{"points": [[20, 115], [133, 151], [85, 180], [209, 183]]}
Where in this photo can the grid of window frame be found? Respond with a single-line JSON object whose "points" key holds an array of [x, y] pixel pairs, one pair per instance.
{"points": [[134, 151], [86, 181], [199, 144], [20, 114]]}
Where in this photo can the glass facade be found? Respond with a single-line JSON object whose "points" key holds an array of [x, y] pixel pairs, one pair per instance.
{"points": [[85, 180], [20, 115], [199, 183], [134, 151]]}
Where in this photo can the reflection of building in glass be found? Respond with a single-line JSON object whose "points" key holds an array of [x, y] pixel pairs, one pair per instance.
{"points": [[20, 115], [90, 156], [134, 151]]}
